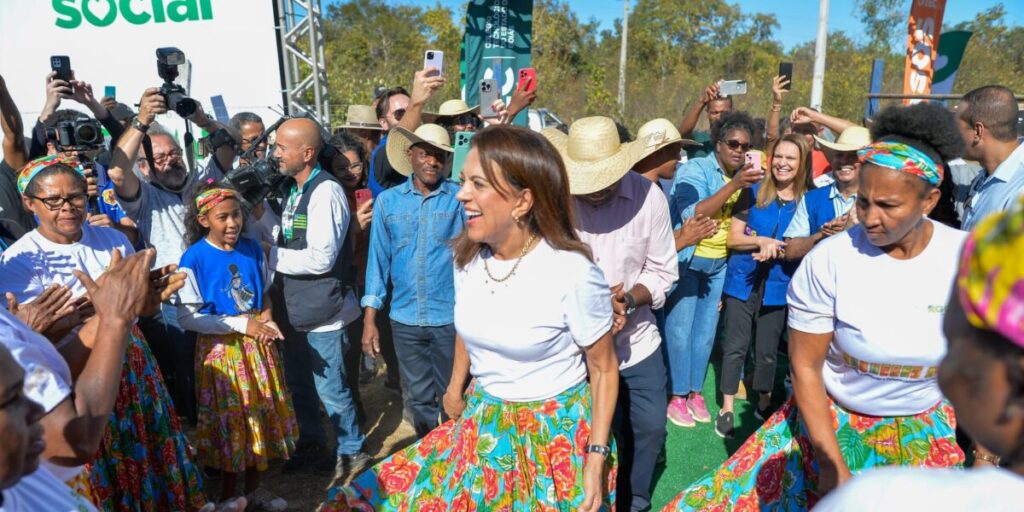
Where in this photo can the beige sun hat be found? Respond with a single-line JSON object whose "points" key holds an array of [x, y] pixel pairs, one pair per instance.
{"points": [[450, 108], [361, 117], [400, 140], [594, 157], [852, 139], [660, 133]]}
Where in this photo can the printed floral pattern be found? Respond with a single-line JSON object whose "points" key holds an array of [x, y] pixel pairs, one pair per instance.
{"points": [[143, 461], [499, 456], [245, 412], [775, 468]]}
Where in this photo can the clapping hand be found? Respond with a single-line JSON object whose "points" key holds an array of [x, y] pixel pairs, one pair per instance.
{"points": [[49, 307], [769, 249]]}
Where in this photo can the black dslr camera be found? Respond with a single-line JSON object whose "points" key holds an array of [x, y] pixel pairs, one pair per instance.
{"points": [[167, 62], [81, 134]]}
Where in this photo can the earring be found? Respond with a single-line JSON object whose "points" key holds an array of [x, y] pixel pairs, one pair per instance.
{"points": [[516, 219]]}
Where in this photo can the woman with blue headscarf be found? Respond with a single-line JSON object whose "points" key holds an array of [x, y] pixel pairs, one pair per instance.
{"points": [[865, 321]]}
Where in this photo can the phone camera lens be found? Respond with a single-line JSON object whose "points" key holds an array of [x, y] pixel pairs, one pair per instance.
{"points": [[430, 55]]}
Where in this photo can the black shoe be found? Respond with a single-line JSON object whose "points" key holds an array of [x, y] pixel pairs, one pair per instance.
{"points": [[763, 414], [307, 457], [724, 425], [349, 466]]}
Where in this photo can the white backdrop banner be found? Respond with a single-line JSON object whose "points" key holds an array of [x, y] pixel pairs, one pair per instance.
{"points": [[231, 45]]}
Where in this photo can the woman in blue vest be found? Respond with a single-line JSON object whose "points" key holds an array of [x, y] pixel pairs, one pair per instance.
{"points": [[757, 276]]}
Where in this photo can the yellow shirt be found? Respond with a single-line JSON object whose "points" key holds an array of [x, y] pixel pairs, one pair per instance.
{"points": [[714, 246]]}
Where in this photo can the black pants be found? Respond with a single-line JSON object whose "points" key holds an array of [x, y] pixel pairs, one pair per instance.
{"points": [[768, 323], [425, 357], [639, 427]]}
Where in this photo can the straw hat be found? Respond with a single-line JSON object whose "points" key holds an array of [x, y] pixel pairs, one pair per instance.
{"points": [[361, 117], [450, 108], [400, 140], [852, 139], [660, 133], [594, 157]]}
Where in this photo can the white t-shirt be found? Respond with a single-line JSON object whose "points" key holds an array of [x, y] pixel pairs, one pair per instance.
{"points": [[525, 335], [34, 263], [886, 316], [885, 489], [42, 491]]}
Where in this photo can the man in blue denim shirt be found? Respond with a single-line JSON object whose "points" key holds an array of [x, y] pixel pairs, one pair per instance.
{"points": [[409, 247]]}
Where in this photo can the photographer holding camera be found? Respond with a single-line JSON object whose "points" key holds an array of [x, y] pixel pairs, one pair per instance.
{"points": [[158, 208]]}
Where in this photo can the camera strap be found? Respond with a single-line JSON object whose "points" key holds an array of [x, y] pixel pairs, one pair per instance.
{"points": [[190, 149], [147, 149]]}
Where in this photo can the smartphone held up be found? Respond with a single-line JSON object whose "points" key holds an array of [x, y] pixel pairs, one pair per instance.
{"points": [[435, 59]]}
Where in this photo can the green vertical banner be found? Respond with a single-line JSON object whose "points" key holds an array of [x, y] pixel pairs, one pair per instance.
{"points": [[951, 54], [497, 43]]}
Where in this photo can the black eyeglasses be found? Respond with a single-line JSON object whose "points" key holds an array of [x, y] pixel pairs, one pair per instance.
{"points": [[735, 144], [57, 202]]}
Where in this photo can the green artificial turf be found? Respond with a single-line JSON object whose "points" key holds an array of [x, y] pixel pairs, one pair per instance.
{"points": [[690, 453]]}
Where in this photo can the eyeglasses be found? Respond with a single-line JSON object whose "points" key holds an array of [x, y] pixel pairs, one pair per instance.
{"points": [[465, 120], [163, 157], [399, 113], [54, 203], [735, 144]]}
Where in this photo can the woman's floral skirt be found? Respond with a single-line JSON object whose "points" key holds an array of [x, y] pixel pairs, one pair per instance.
{"points": [[245, 411], [507, 456], [775, 468], [143, 461]]}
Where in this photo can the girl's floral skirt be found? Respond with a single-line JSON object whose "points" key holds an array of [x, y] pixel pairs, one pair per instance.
{"points": [[507, 456], [245, 411], [143, 461], [775, 468]]}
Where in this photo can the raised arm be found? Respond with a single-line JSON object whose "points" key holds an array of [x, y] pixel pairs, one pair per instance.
{"points": [[804, 115], [692, 116], [772, 129], [424, 86], [126, 183], [15, 152]]}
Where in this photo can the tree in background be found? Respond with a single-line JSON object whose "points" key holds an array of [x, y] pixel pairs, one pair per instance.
{"points": [[676, 47]]}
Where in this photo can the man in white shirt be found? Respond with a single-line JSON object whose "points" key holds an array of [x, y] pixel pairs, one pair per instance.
{"points": [[314, 291]]}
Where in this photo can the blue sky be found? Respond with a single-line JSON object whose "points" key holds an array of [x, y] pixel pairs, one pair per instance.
{"points": [[797, 18]]}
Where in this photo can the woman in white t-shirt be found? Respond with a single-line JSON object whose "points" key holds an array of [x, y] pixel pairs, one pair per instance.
{"points": [[143, 424], [983, 376], [533, 316], [865, 336]]}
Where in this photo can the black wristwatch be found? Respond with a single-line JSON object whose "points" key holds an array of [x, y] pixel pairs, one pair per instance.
{"points": [[630, 304], [599, 449], [138, 125]]}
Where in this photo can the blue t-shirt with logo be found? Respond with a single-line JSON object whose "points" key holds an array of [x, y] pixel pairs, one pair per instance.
{"points": [[224, 282]]}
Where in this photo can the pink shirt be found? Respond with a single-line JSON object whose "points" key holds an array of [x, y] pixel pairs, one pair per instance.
{"points": [[631, 237]]}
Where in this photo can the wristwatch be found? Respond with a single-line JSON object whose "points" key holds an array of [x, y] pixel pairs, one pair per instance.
{"points": [[138, 125], [630, 303], [599, 449]]}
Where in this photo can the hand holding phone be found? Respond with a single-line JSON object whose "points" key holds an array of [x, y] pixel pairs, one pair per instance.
{"points": [[363, 196], [61, 64], [753, 159], [488, 95], [462, 140], [434, 58], [728, 88], [786, 71], [527, 80]]}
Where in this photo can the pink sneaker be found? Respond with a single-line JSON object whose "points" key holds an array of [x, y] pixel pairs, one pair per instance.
{"points": [[678, 413], [698, 409]]}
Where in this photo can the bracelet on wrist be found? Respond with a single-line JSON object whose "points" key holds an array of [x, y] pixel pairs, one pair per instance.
{"points": [[991, 459]]}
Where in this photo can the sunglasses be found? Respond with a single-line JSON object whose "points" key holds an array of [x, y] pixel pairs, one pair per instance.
{"points": [[735, 144]]}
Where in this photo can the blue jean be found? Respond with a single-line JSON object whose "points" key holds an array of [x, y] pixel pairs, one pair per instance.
{"points": [[425, 356], [690, 322], [314, 365]]}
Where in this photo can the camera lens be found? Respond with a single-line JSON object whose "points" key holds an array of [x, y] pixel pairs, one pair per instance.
{"points": [[430, 55], [87, 134]]}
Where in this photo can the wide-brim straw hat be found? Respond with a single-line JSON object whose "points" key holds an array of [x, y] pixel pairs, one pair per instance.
{"points": [[852, 139], [594, 157], [660, 133], [450, 108], [400, 140], [361, 117]]}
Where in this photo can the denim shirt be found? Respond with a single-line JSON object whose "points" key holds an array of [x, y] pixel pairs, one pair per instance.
{"points": [[409, 246], [695, 181]]}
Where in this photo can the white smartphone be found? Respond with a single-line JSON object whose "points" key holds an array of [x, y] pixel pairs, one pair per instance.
{"points": [[489, 94], [434, 58], [728, 88]]}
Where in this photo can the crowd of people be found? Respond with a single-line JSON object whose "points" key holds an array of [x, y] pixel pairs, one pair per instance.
{"points": [[547, 305]]}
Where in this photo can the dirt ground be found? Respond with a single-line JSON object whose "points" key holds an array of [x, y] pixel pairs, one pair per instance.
{"points": [[385, 433]]}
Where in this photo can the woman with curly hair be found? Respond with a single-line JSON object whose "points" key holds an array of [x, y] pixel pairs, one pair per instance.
{"points": [[865, 337], [983, 376]]}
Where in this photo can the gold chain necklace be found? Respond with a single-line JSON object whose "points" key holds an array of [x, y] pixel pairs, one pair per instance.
{"points": [[526, 248]]}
